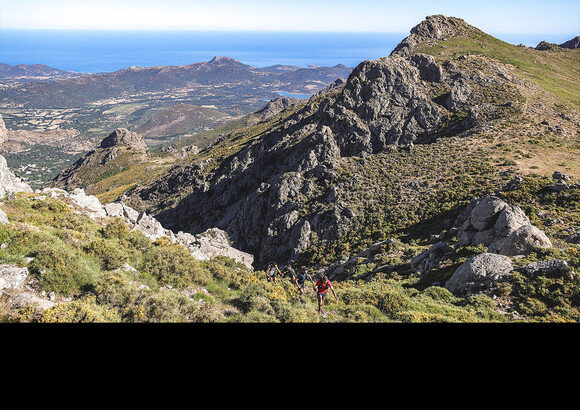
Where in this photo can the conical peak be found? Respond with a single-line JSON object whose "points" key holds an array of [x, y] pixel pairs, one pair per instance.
{"points": [[433, 28], [122, 136]]}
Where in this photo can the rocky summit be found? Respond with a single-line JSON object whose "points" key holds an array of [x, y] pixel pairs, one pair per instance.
{"points": [[122, 136]]}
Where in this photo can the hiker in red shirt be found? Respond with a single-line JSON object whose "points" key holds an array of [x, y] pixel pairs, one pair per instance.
{"points": [[321, 286]]}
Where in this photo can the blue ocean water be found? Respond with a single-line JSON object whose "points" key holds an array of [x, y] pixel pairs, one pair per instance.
{"points": [[106, 51], [88, 51]]}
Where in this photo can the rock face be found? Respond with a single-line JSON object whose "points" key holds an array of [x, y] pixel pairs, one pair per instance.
{"points": [[3, 131], [551, 268], [276, 106], [9, 182], [257, 194], [11, 277], [505, 229], [15, 292], [573, 43], [122, 136], [432, 257], [479, 272], [388, 108]]}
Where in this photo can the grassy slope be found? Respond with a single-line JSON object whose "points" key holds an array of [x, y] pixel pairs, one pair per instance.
{"points": [[535, 147], [556, 71], [82, 260]]}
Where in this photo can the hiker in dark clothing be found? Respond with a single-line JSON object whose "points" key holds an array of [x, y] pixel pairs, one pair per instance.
{"points": [[301, 279], [291, 274], [321, 286], [271, 271]]}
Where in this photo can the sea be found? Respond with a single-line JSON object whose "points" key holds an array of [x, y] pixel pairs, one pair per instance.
{"points": [[87, 51]]}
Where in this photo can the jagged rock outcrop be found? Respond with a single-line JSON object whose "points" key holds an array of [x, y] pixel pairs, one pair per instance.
{"points": [[10, 182], [503, 228], [16, 292], [333, 86], [483, 272], [204, 246], [431, 30], [122, 136], [95, 162], [544, 45], [276, 106], [3, 131], [12, 276], [572, 43], [432, 257], [552, 268], [381, 104]]}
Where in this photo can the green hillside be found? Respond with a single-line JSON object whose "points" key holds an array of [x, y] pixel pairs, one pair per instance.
{"points": [[85, 264], [556, 70], [364, 214]]}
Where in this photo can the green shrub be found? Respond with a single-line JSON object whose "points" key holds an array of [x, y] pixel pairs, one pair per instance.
{"points": [[168, 306], [84, 310], [439, 294], [532, 307], [254, 298], [63, 270], [108, 252], [385, 296], [289, 312], [361, 313], [171, 264], [116, 229], [135, 240]]}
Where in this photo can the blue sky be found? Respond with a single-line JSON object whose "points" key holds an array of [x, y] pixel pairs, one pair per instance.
{"points": [[492, 16]]}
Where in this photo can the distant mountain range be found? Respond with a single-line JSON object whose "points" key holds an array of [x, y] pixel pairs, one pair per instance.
{"points": [[232, 76]]}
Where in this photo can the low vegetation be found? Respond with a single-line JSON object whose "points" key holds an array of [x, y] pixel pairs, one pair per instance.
{"points": [[555, 70], [103, 272]]}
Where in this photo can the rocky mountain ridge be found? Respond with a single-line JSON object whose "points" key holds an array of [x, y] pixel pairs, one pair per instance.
{"points": [[571, 44], [258, 194], [430, 31], [99, 160]]}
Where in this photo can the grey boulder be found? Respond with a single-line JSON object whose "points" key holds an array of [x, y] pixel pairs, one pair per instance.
{"points": [[479, 273]]}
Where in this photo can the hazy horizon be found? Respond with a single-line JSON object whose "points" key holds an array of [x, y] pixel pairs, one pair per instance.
{"points": [[98, 51]]}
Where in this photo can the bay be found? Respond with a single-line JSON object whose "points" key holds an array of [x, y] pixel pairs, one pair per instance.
{"points": [[89, 51]]}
